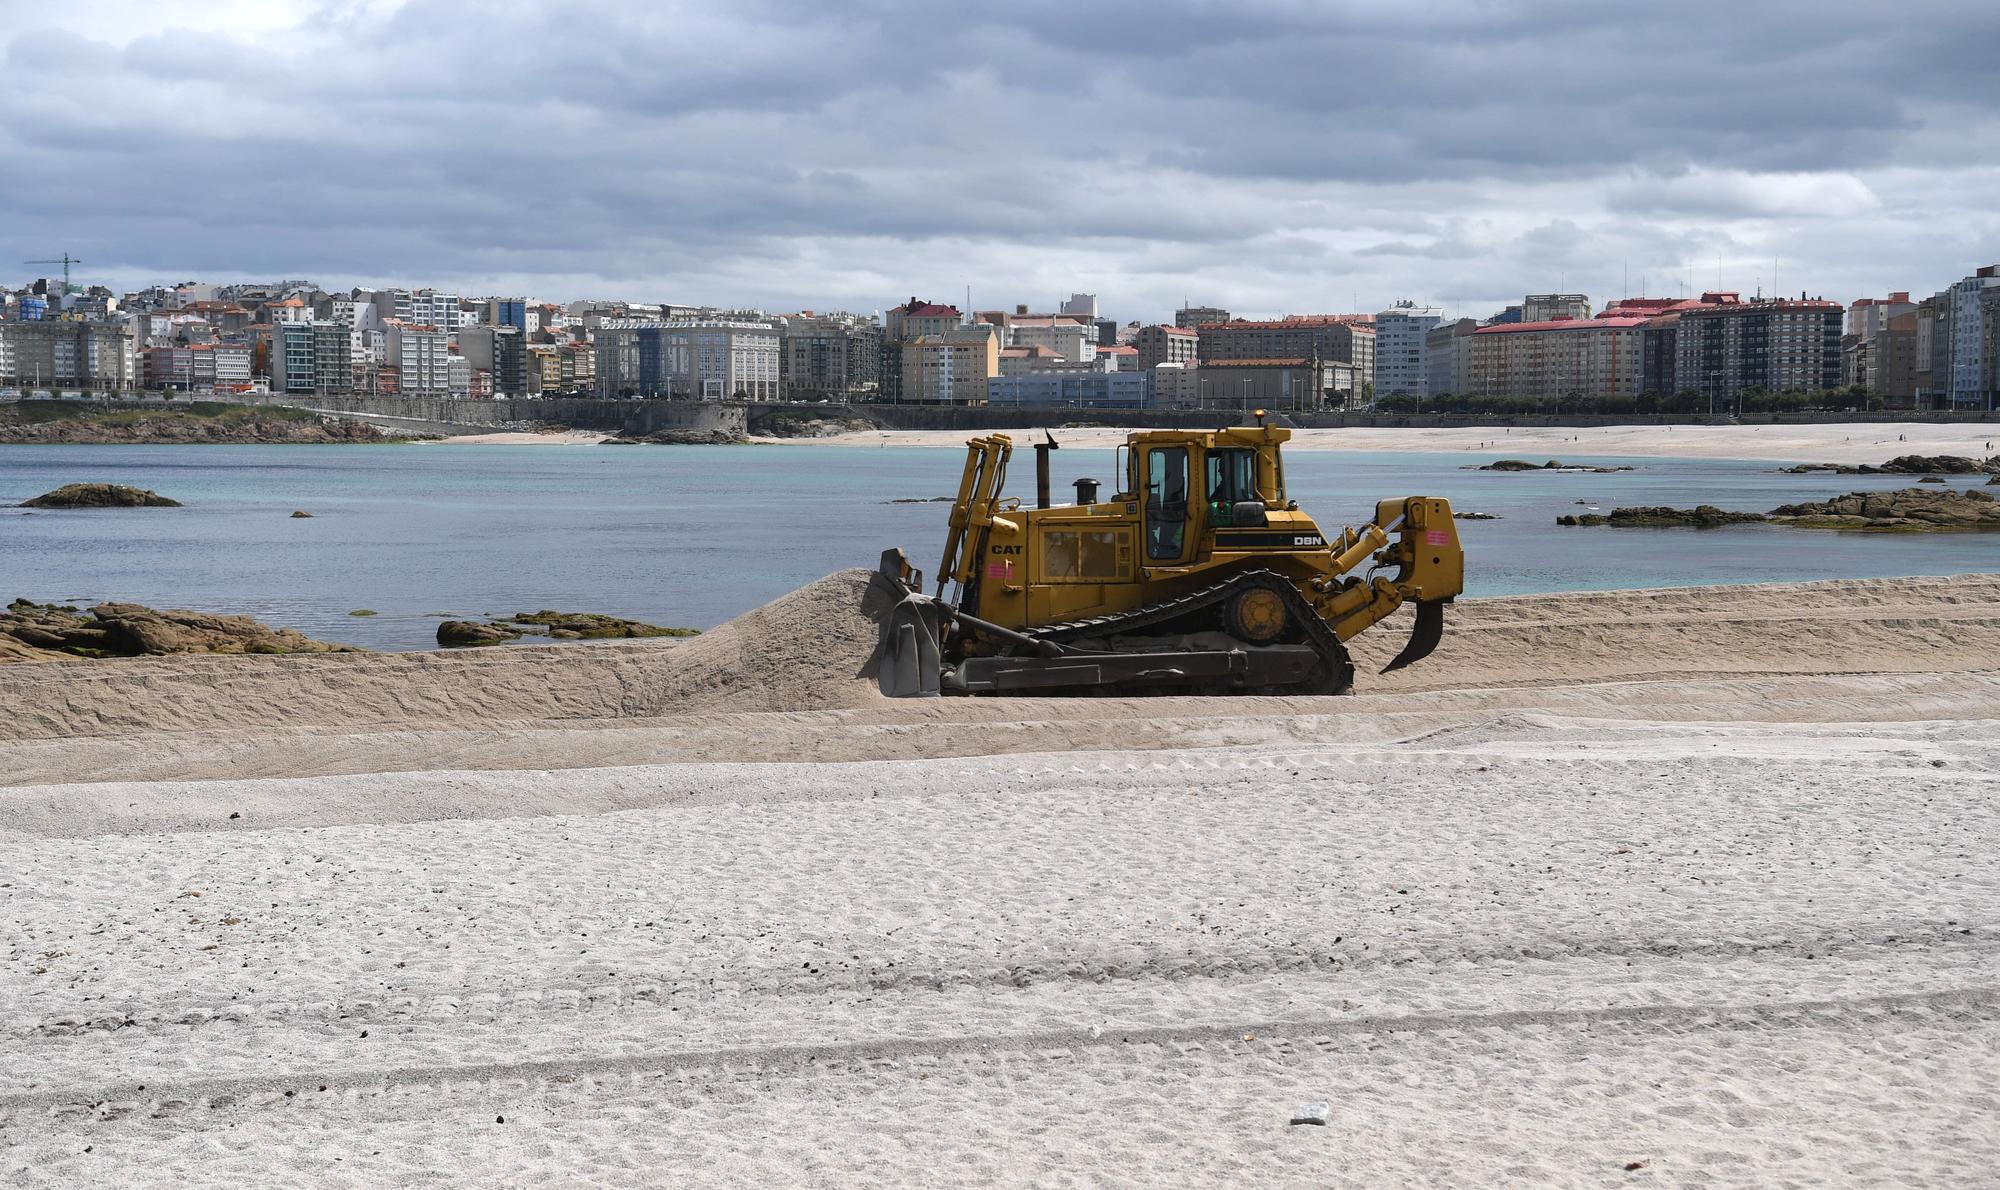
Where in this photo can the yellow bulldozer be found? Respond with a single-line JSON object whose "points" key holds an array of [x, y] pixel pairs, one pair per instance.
{"points": [[1197, 576]]}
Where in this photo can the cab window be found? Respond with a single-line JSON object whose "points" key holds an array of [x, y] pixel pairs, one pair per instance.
{"points": [[1232, 478], [1166, 501]]}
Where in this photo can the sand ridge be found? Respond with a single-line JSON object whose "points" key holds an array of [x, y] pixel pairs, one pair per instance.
{"points": [[1690, 885]]}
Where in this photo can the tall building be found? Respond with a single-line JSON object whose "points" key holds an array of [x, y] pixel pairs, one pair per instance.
{"points": [[829, 355], [420, 356], [1080, 305], [1870, 350], [1972, 339], [951, 368], [68, 354], [1446, 349], [501, 353], [1772, 345], [1402, 349], [908, 321], [1073, 337], [1557, 360], [1549, 307], [1334, 338], [1196, 317], [292, 360], [1165, 345]]}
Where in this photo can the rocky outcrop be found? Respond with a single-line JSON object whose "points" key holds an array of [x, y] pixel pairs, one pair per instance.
{"points": [[805, 422], [679, 438], [50, 422], [462, 634], [100, 495], [1914, 510], [1706, 516], [1908, 465], [1475, 516], [54, 632], [1907, 509], [1551, 465], [553, 624], [592, 626]]}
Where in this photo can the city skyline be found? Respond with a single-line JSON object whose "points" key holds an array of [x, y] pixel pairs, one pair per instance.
{"points": [[1259, 157]]}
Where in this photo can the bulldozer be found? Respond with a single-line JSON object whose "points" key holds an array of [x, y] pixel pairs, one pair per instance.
{"points": [[1197, 575]]}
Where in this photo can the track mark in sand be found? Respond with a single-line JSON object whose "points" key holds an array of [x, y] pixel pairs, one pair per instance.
{"points": [[1186, 965], [1278, 1041]]}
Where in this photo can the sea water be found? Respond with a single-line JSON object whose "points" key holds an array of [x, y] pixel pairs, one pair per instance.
{"points": [[690, 536]]}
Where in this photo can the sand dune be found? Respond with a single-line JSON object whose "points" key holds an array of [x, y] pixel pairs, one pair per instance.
{"points": [[1687, 885]]}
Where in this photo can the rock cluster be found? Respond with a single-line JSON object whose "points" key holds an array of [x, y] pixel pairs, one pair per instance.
{"points": [[1906, 510], [678, 438], [556, 625], [1706, 516], [1909, 509], [156, 424], [1551, 465], [53, 632], [100, 495], [1908, 465]]}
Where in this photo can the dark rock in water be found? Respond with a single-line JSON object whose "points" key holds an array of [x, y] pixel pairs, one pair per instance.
{"points": [[1551, 465], [1932, 479], [1706, 516], [100, 495], [1907, 465], [921, 500], [1474, 516], [300, 512], [683, 438], [33, 631], [460, 634], [1994, 482], [1906, 509]]}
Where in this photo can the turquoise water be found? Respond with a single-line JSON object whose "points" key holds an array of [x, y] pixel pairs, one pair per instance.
{"points": [[693, 535]]}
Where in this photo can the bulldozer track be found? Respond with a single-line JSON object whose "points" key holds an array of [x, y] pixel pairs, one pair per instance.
{"points": [[1319, 634]]}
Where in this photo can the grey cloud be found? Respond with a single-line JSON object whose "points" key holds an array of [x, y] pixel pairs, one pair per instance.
{"points": [[1457, 148]]}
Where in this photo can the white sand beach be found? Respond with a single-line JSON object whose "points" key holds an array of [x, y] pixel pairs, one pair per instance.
{"points": [[1677, 887], [1835, 443]]}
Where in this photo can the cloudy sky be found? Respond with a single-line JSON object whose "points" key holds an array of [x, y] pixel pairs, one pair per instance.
{"points": [[1264, 155]]}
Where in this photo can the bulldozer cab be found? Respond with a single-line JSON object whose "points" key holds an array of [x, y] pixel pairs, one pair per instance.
{"points": [[1190, 485]]}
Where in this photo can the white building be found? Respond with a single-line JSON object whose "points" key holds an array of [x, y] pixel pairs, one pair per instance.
{"points": [[1402, 354], [422, 358]]}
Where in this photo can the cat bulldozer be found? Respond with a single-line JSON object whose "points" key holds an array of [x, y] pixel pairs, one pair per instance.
{"points": [[1198, 575]]}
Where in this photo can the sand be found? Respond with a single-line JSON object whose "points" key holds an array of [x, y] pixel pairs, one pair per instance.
{"points": [[1837, 443], [523, 438], [1690, 886]]}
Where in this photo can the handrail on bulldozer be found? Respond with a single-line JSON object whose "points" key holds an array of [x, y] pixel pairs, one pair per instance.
{"points": [[978, 494]]}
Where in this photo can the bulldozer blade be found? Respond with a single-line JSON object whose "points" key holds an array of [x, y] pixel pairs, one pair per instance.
{"points": [[1424, 637], [908, 665]]}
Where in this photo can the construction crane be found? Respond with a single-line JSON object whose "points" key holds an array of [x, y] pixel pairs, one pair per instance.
{"points": [[66, 261]]}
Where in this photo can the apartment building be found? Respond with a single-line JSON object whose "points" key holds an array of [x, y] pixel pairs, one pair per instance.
{"points": [[1402, 349], [1445, 354], [952, 368], [700, 359], [1970, 327], [420, 357], [70, 354], [1195, 317], [501, 353], [829, 355], [1774, 345], [197, 367], [1166, 345], [1334, 338], [902, 323], [1556, 360]]}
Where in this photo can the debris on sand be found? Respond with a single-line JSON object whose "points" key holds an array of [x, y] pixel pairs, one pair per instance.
{"points": [[100, 495]]}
